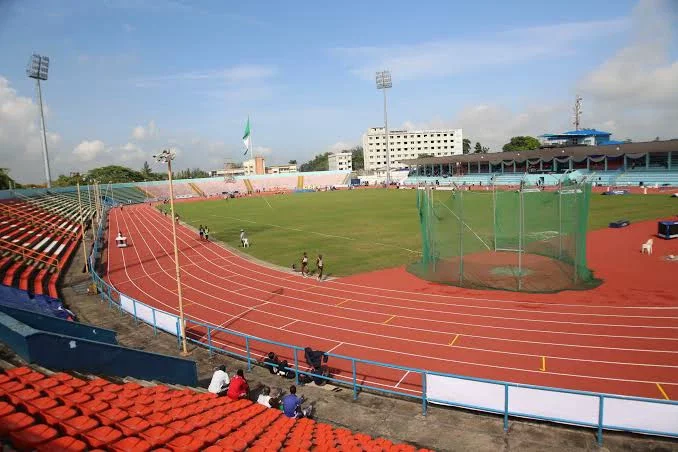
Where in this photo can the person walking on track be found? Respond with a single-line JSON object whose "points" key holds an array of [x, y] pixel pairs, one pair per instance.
{"points": [[319, 264], [206, 231], [201, 231], [304, 265]]}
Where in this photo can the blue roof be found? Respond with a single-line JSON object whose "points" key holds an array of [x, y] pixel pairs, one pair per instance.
{"points": [[610, 142], [578, 133]]}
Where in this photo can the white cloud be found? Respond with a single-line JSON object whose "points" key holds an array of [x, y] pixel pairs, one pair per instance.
{"points": [[131, 152], [143, 133], [492, 125], [449, 57], [128, 28], [87, 151], [633, 94], [235, 74], [20, 140], [341, 146], [262, 151]]}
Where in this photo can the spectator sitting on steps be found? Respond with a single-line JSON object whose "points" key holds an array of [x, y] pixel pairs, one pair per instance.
{"points": [[238, 388], [220, 381], [292, 405]]}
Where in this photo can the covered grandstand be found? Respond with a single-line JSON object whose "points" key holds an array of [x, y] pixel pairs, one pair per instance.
{"points": [[648, 163]]}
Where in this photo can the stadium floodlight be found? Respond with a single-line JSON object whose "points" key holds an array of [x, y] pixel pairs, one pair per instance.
{"points": [[384, 82], [37, 69], [166, 156]]}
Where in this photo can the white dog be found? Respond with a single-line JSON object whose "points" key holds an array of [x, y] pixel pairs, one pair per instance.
{"points": [[245, 242]]}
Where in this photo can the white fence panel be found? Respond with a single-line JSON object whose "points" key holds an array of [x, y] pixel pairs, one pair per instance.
{"points": [[564, 406], [166, 322], [638, 416], [473, 394]]}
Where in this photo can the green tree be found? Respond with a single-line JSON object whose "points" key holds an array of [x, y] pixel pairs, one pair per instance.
{"points": [[358, 158], [318, 163], [480, 149], [115, 173], [292, 162], [68, 181], [466, 148], [146, 171], [6, 182], [521, 143], [424, 155]]}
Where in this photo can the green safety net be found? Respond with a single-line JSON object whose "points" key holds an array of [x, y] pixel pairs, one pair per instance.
{"points": [[527, 240]]}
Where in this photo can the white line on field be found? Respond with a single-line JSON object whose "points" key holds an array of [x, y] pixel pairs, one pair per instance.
{"points": [[469, 227]]}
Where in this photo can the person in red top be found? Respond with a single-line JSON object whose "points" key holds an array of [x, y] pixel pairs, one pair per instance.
{"points": [[238, 389]]}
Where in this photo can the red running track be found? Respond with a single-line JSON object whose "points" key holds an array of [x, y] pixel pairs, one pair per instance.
{"points": [[621, 337]]}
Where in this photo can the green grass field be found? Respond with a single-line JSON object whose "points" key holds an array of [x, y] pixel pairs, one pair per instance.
{"points": [[359, 230]]}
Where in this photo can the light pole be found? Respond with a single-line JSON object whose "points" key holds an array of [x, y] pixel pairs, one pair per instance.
{"points": [[383, 83], [37, 69], [166, 156], [82, 229]]}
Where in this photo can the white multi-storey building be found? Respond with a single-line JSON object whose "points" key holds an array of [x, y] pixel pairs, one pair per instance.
{"points": [[341, 161], [408, 144]]}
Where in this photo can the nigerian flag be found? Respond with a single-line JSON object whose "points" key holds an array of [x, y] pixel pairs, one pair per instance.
{"points": [[247, 138]]}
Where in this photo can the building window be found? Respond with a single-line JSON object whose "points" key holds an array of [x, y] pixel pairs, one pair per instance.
{"points": [[438, 134], [418, 136]]}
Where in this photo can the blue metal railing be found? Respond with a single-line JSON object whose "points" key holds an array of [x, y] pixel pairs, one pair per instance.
{"points": [[114, 297]]}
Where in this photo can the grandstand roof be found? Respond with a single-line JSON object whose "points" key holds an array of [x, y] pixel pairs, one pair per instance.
{"points": [[577, 152]]}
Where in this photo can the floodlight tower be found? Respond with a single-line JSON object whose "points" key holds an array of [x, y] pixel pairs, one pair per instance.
{"points": [[166, 156], [37, 69], [383, 83]]}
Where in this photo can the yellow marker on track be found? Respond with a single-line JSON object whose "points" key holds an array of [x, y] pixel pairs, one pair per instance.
{"points": [[543, 364], [389, 319], [662, 391], [453, 340]]}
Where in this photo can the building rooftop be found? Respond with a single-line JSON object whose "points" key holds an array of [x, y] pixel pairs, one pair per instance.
{"points": [[578, 133]]}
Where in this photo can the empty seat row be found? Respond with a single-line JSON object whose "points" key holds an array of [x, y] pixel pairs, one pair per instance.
{"points": [[60, 412]]}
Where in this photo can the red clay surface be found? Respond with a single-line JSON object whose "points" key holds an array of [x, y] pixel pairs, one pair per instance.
{"points": [[621, 337]]}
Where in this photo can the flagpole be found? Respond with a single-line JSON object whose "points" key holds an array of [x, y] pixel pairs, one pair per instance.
{"points": [[251, 146]]}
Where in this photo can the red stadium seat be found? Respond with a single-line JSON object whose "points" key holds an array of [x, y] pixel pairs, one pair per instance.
{"points": [[131, 444], [30, 437], [63, 444], [58, 414], [79, 424], [102, 436], [158, 435], [6, 409], [40, 404], [133, 425], [14, 422], [185, 443], [92, 407]]}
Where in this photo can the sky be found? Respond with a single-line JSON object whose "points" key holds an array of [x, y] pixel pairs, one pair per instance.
{"points": [[128, 78]]}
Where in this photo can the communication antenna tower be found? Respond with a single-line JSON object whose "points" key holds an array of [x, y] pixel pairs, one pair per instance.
{"points": [[577, 113]]}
